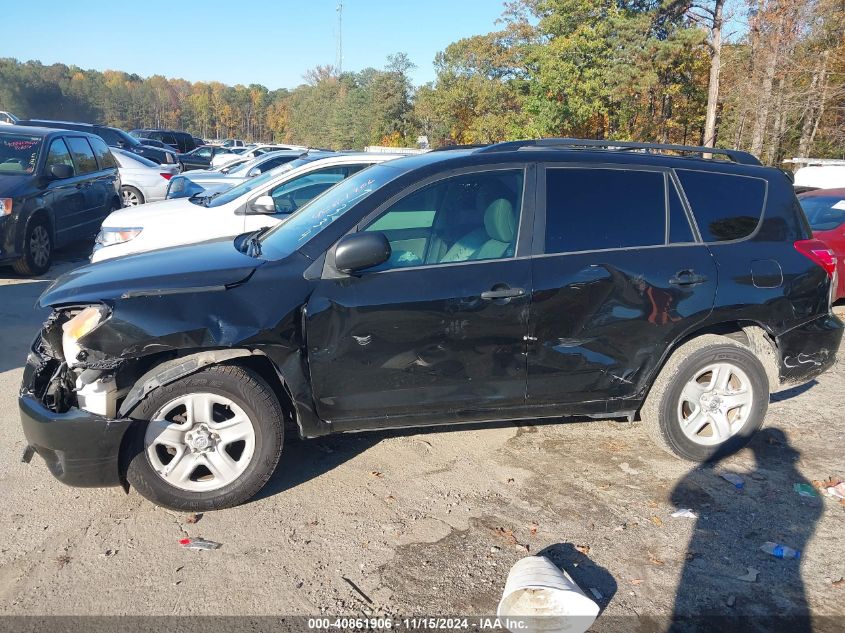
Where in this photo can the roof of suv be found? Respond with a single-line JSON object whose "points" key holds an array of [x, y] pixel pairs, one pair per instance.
{"points": [[34, 130], [578, 150]]}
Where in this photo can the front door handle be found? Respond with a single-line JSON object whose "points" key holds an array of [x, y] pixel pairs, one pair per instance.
{"points": [[502, 293], [687, 278]]}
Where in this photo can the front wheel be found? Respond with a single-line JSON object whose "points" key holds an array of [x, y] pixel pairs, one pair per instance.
{"points": [[211, 441], [37, 249], [709, 399]]}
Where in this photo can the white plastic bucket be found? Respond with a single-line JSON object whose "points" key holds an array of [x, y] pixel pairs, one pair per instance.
{"points": [[546, 599]]}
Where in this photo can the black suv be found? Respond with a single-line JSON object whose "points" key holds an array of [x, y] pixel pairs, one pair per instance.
{"points": [[182, 142], [113, 137], [521, 280], [56, 186]]}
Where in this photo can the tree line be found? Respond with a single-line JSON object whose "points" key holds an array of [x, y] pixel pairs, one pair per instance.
{"points": [[767, 76]]}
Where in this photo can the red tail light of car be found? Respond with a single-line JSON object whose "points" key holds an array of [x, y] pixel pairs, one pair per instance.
{"points": [[820, 253], [166, 175]]}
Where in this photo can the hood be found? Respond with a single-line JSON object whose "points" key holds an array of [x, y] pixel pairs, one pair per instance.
{"points": [[11, 185], [204, 267], [135, 216]]}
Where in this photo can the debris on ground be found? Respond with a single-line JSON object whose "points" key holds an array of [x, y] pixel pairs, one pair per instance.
{"points": [[109, 552], [636, 581], [839, 583], [805, 490], [537, 587], [657, 521], [193, 518], [654, 560], [376, 474], [684, 513], [584, 549], [751, 576], [626, 468], [357, 589], [831, 487], [199, 543], [736, 480], [533, 528], [62, 560], [780, 551]]}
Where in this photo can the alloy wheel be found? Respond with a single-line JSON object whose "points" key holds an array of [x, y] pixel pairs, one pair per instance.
{"points": [[200, 442], [130, 198], [715, 404], [39, 246]]}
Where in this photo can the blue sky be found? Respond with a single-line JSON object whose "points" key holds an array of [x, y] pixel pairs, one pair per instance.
{"points": [[271, 42]]}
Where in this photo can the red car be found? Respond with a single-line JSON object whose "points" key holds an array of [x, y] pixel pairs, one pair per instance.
{"points": [[825, 209]]}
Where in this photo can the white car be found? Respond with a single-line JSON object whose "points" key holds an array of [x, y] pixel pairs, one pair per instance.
{"points": [[265, 200], [249, 152], [819, 173], [142, 180]]}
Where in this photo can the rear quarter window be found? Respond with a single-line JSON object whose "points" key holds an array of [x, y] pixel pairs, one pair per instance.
{"points": [[726, 206]]}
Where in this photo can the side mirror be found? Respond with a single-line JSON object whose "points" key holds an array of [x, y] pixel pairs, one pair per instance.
{"points": [[263, 204], [361, 250], [255, 171], [60, 172]]}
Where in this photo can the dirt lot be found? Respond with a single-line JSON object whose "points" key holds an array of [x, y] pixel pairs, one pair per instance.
{"points": [[430, 523]]}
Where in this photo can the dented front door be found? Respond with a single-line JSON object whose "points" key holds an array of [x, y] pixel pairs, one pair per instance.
{"points": [[433, 342]]}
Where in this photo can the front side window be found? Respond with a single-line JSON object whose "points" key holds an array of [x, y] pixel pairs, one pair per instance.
{"points": [[471, 217], [595, 209], [295, 193], [18, 153], [83, 155], [204, 152], [726, 207], [58, 154]]}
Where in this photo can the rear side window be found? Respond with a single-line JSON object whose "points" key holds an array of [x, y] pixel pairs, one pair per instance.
{"points": [[595, 209], [101, 151], [83, 155], [109, 136], [726, 207], [679, 228]]}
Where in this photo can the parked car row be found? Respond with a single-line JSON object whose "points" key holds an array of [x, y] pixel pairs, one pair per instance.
{"points": [[344, 292]]}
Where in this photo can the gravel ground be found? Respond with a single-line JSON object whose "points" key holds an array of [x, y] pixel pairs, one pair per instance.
{"points": [[430, 523]]}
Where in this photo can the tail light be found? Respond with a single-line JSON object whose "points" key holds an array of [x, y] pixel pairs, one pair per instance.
{"points": [[166, 175], [818, 252]]}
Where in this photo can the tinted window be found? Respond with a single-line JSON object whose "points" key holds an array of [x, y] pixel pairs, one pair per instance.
{"points": [[679, 228], [101, 151], [273, 162], [58, 155], [83, 156], [726, 207], [824, 212], [204, 152], [592, 209], [471, 217]]}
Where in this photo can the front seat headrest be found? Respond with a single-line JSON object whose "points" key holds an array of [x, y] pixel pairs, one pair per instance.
{"points": [[499, 220]]}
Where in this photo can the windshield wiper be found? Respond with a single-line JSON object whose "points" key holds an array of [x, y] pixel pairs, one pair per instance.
{"points": [[252, 244]]}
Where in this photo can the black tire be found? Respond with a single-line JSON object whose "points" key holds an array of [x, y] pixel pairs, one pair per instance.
{"points": [[659, 412], [37, 254], [250, 392], [127, 191]]}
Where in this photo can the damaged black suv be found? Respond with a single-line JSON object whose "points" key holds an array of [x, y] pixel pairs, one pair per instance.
{"points": [[558, 277]]}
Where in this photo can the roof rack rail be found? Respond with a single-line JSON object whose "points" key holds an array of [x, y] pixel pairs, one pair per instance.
{"points": [[737, 156]]}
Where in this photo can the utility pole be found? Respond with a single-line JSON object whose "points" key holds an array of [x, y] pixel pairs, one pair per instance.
{"points": [[339, 60]]}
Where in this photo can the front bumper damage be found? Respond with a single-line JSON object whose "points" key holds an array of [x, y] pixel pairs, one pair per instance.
{"points": [[80, 448]]}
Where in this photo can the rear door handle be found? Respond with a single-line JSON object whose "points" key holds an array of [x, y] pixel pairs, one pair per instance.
{"points": [[502, 293], [687, 278]]}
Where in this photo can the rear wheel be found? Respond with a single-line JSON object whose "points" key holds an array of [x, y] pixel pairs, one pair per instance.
{"points": [[708, 400], [132, 197], [212, 440], [37, 249]]}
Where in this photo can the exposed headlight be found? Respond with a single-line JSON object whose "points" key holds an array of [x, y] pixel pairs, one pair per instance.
{"points": [[111, 236], [74, 329], [5, 206]]}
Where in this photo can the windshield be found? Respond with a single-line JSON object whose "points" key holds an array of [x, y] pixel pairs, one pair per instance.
{"points": [[824, 212], [283, 239], [18, 153]]}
